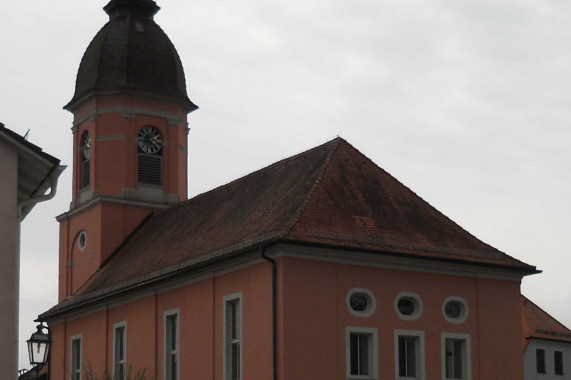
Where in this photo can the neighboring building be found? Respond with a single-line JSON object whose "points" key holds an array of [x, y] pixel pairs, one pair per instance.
{"points": [[27, 173], [320, 266], [547, 345]]}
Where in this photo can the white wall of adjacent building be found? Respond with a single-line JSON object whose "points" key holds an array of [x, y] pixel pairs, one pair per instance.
{"points": [[530, 361]]}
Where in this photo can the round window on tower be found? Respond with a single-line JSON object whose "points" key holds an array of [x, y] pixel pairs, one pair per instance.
{"points": [[81, 240], [360, 302], [408, 306]]}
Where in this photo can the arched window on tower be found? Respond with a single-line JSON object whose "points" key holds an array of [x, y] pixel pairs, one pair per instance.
{"points": [[150, 156], [85, 168]]}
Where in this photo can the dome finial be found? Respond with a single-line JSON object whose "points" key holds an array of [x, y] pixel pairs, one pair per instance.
{"points": [[141, 8]]}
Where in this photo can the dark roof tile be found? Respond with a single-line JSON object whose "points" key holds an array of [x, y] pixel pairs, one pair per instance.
{"points": [[131, 53], [537, 323]]}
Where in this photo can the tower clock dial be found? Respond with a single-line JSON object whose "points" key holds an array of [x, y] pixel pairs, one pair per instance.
{"points": [[86, 146], [149, 140]]}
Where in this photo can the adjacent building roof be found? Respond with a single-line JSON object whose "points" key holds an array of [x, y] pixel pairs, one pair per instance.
{"points": [[330, 196], [538, 324], [34, 168], [131, 53]]}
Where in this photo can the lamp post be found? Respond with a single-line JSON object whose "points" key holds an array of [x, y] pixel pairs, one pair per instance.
{"points": [[39, 347]]}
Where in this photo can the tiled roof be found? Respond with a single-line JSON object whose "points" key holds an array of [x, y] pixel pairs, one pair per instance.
{"points": [[331, 195], [131, 53], [537, 323]]}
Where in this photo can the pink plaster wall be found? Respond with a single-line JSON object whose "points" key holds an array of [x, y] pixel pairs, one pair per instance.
{"points": [[313, 317], [200, 308]]}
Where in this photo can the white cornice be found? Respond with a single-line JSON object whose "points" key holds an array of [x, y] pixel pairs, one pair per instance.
{"points": [[345, 257], [386, 261], [129, 113]]}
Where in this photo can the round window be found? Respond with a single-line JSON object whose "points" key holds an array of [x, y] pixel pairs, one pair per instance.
{"points": [[455, 309], [82, 240], [408, 306], [360, 302]]}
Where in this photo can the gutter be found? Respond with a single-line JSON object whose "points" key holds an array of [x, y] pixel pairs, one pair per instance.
{"points": [[274, 312], [154, 279], [52, 179]]}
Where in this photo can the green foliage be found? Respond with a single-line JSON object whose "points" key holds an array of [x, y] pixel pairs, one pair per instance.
{"points": [[139, 375]]}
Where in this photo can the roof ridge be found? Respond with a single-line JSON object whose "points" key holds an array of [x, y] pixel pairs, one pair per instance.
{"points": [[282, 161], [107, 28], [113, 254], [316, 184], [127, 50], [438, 211]]}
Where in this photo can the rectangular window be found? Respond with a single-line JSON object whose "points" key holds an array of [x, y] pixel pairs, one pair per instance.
{"points": [[558, 362], [361, 353], [408, 356], [540, 360], [75, 370], [233, 337], [456, 356], [171, 345], [119, 350]]}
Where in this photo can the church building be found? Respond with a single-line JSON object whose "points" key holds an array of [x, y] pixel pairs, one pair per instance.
{"points": [[320, 266]]}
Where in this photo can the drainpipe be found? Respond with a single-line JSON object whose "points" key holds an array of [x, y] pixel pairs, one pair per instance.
{"points": [[52, 180], [274, 313]]}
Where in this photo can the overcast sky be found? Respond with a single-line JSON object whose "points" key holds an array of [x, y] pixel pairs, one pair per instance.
{"points": [[466, 103]]}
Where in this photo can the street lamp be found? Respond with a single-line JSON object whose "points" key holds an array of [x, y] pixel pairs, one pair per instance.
{"points": [[39, 346]]}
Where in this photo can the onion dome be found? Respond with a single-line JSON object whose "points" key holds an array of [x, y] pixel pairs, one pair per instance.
{"points": [[131, 54]]}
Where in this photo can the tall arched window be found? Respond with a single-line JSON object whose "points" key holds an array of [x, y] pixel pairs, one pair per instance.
{"points": [[150, 155], [85, 167]]}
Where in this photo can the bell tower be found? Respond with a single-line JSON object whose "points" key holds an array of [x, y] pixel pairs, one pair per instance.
{"points": [[130, 132]]}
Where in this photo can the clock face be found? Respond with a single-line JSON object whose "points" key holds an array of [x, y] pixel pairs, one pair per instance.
{"points": [[86, 146], [149, 140]]}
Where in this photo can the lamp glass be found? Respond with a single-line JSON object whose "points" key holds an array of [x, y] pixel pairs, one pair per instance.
{"points": [[39, 347]]}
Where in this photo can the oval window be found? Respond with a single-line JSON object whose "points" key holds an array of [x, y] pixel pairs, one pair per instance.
{"points": [[82, 240], [408, 306], [360, 302], [455, 309]]}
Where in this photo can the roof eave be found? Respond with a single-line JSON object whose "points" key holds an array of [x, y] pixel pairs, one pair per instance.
{"points": [[79, 99], [160, 279], [182, 270], [524, 270]]}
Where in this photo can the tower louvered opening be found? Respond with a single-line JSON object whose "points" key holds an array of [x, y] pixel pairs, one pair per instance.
{"points": [[85, 168], [149, 169], [85, 174]]}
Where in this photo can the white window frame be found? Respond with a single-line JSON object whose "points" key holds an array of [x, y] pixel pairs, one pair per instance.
{"points": [[467, 361], [420, 353], [226, 337], [463, 310], [117, 326], [166, 340], [373, 353], [74, 338]]}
